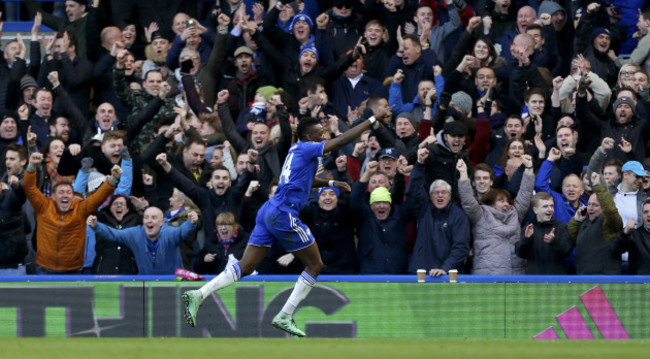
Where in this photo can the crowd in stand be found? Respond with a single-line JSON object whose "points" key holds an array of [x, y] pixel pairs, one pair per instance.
{"points": [[144, 136]]}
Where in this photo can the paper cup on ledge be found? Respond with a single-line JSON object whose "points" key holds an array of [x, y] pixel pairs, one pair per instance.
{"points": [[453, 275], [422, 274]]}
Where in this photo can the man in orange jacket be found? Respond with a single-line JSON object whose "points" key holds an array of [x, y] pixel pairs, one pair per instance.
{"points": [[61, 233]]}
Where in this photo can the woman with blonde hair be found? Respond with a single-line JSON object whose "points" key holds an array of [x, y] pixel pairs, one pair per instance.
{"points": [[229, 239], [626, 76]]}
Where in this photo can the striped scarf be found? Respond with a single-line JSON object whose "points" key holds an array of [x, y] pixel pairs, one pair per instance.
{"points": [[53, 175]]}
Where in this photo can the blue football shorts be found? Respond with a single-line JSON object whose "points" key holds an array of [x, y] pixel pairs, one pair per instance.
{"points": [[273, 222]]}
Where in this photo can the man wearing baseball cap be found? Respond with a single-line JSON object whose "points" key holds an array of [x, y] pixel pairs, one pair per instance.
{"points": [[244, 82], [388, 161], [629, 195]]}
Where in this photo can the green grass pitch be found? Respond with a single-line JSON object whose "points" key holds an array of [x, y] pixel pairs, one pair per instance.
{"points": [[167, 348]]}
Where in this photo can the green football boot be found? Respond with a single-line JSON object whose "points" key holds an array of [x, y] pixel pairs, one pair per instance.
{"points": [[192, 300], [285, 322]]}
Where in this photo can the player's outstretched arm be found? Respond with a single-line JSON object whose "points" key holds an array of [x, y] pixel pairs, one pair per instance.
{"points": [[353, 133]]}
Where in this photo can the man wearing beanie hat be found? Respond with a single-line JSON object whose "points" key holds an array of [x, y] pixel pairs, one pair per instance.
{"points": [[308, 58], [332, 223], [381, 228], [406, 142], [624, 114], [298, 22], [625, 125], [595, 44], [411, 119], [463, 102], [260, 111], [603, 35], [27, 82], [28, 86], [267, 91]]}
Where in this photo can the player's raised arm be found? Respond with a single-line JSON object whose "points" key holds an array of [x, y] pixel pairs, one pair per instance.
{"points": [[356, 131]]}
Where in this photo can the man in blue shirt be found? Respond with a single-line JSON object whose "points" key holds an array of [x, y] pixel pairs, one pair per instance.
{"points": [[278, 218], [154, 243]]}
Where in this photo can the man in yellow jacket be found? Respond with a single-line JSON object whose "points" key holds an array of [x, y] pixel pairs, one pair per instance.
{"points": [[61, 232]]}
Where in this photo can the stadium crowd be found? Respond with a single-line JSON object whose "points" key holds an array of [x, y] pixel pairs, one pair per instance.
{"points": [[510, 136]]}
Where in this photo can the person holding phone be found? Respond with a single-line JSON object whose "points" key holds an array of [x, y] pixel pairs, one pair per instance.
{"points": [[594, 229]]}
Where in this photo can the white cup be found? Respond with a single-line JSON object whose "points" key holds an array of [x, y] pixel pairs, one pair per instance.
{"points": [[422, 274], [453, 275]]}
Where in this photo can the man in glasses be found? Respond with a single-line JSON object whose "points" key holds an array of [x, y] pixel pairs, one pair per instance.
{"points": [[193, 56], [442, 242]]}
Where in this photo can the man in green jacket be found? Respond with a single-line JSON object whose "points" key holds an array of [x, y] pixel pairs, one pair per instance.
{"points": [[594, 229]]}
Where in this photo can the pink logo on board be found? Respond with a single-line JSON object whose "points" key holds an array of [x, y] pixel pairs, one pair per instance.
{"points": [[601, 312]]}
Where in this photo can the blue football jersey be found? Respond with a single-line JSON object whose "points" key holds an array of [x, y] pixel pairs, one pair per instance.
{"points": [[297, 175]]}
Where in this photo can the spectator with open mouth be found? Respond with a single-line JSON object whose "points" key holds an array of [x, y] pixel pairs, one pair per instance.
{"points": [[62, 219], [154, 243]]}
